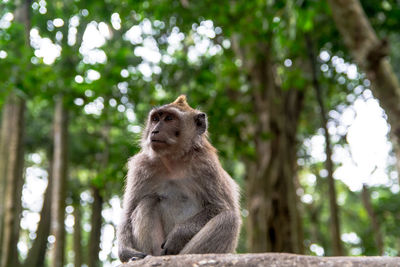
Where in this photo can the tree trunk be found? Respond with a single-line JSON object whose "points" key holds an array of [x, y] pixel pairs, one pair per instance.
{"points": [[396, 148], [96, 222], [77, 236], [4, 142], [15, 107], [337, 248], [96, 218], [37, 253], [59, 182], [314, 210], [274, 223], [366, 199], [369, 53], [12, 157]]}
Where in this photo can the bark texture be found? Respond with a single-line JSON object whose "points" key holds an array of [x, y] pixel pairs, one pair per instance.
{"points": [[366, 199], [274, 223], [96, 222], [15, 107], [77, 236], [97, 207], [59, 183], [396, 148], [261, 260], [12, 157], [337, 248], [369, 53], [4, 137]]}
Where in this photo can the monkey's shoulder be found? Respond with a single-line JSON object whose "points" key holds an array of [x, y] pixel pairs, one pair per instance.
{"points": [[141, 162], [137, 159]]}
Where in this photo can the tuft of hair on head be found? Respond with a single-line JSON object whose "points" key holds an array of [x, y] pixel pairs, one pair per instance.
{"points": [[181, 104]]}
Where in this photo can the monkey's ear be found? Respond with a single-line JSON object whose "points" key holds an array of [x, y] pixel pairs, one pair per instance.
{"points": [[201, 122]]}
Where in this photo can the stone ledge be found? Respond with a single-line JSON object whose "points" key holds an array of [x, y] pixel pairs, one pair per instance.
{"points": [[262, 259]]}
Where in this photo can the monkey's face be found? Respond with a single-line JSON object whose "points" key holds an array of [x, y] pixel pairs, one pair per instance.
{"points": [[171, 131], [164, 130]]}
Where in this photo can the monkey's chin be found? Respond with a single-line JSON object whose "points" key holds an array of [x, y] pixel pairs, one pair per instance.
{"points": [[158, 146]]}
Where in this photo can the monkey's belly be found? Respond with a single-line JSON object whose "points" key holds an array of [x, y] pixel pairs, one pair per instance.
{"points": [[177, 204]]}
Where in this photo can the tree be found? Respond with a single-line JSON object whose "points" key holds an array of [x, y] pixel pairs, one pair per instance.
{"points": [[334, 209], [78, 259], [37, 254], [366, 199], [369, 53], [14, 181], [11, 166], [273, 223], [4, 137], [95, 233], [59, 177]]}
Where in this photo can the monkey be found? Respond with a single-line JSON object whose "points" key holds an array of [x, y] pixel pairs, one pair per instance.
{"points": [[178, 199]]}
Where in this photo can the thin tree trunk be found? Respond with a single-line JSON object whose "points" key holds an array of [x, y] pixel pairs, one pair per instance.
{"points": [[4, 142], [37, 253], [96, 222], [12, 157], [337, 247], [366, 198], [396, 148], [274, 222], [59, 182], [14, 181], [369, 53], [77, 236], [315, 223], [96, 218]]}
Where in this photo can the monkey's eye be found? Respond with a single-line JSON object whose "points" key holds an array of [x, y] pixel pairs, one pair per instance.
{"points": [[155, 118], [168, 118]]}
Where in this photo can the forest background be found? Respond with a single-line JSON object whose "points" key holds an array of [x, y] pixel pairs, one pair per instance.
{"points": [[303, 103]]}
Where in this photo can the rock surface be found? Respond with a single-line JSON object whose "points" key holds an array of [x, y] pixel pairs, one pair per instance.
{"points": [[262, 259]]}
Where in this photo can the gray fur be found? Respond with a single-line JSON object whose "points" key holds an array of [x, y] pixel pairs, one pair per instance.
{"points": [[180, 200]]}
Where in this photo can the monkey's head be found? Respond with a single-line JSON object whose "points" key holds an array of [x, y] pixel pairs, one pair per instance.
{"points": [[175, 128]]}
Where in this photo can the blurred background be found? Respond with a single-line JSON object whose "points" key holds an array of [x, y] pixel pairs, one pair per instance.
{"points": [[302, 98]]}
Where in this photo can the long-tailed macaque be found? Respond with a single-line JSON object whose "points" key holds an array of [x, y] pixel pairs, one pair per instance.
{"points": [[178, 199]]}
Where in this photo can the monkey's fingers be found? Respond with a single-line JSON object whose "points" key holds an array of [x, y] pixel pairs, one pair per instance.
{"points": [[164, 251], [138, 256]]}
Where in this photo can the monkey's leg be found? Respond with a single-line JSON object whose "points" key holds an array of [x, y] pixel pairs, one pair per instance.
{"points": [[219, 235]]}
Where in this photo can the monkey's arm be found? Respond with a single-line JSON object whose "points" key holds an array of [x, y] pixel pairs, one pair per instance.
{"points": [[126, 240], [183, 232], [219, 235], [220, 213]]}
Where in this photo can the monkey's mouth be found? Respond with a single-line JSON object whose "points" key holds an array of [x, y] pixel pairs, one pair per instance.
{"points": [[158, 141]]}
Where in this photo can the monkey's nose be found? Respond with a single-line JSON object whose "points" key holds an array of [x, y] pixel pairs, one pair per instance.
{"points": [[154, 132]]}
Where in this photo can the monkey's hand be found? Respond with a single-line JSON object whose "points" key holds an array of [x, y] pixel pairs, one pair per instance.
{"points": [[137, 256], [175, 241], [128, 254]]}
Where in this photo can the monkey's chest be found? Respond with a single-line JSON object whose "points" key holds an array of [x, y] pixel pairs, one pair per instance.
{"points": [[176, 203]]}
